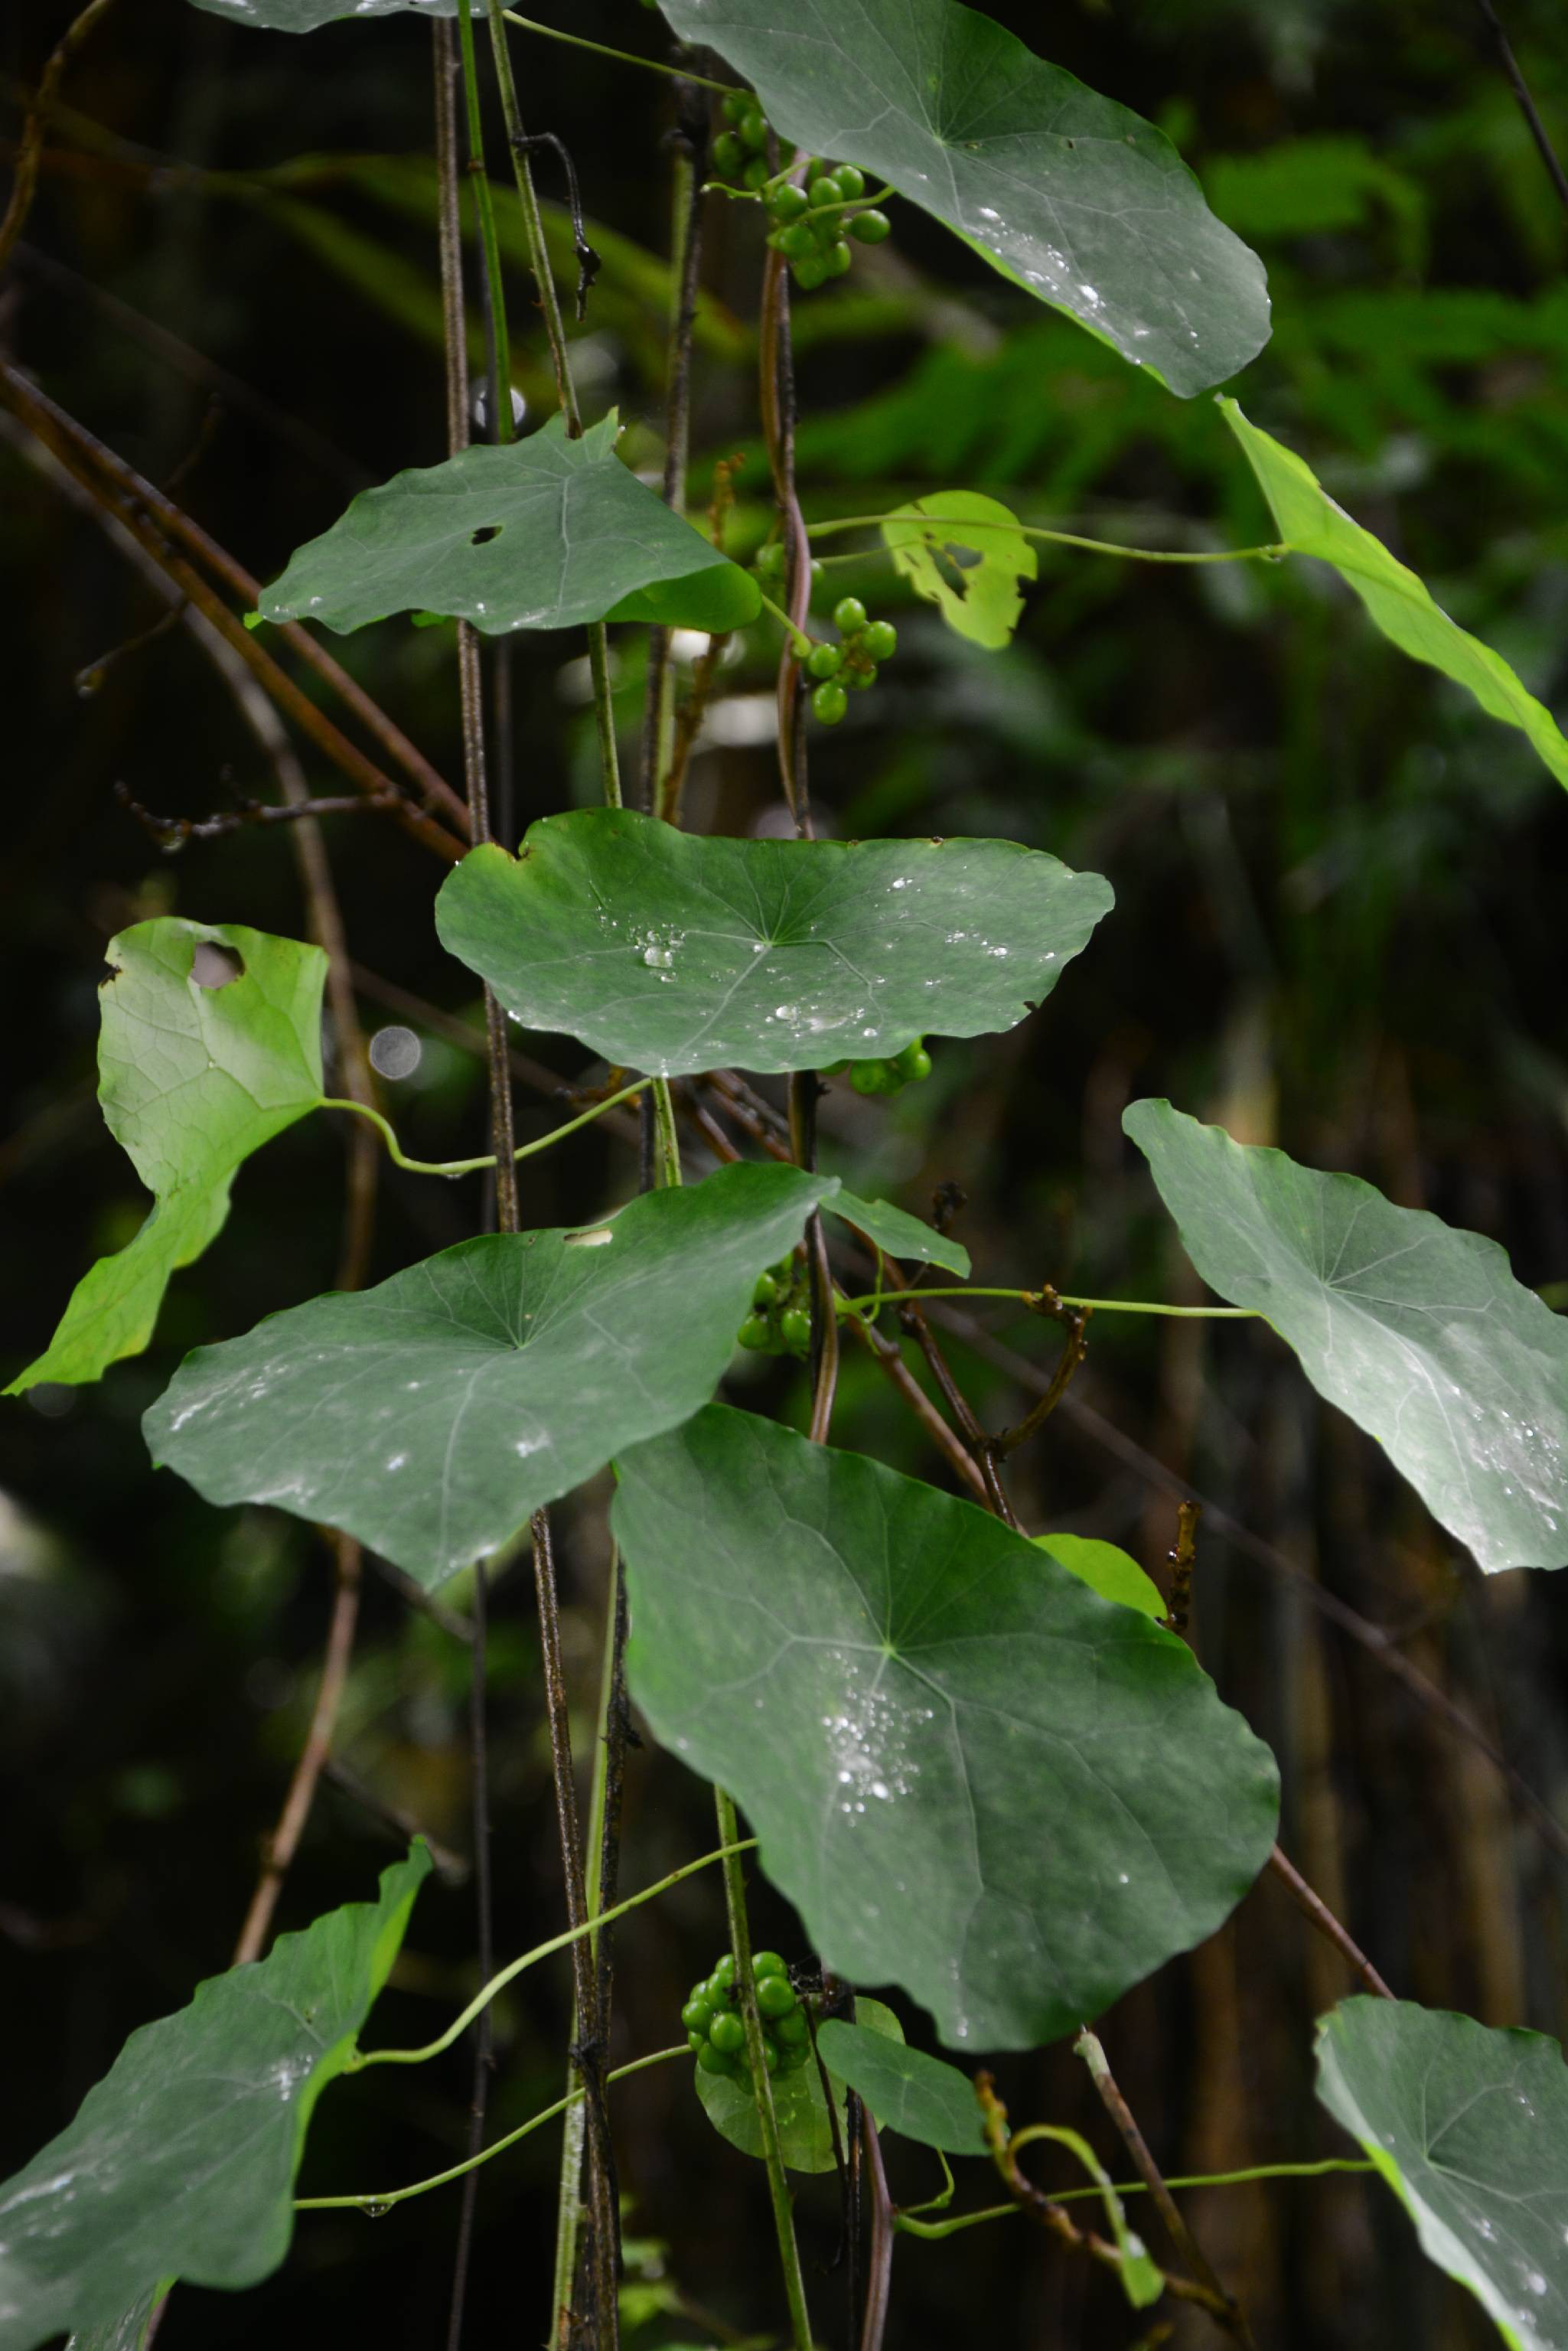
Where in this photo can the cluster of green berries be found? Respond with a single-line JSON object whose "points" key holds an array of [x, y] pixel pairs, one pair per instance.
{"points": [[813, 224], [716, 2029], [836, 670], [779, 1322], [889, 1077], [740, 153]]}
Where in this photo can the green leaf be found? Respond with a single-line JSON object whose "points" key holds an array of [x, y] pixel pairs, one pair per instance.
{"points": [[906, 2091], [181, 2162], [431, 1416], [805, 2133], [1309, 522], [541, 534], [673, 952], [1106, 1570], [1418, 1331], [1470, 2127], [971, 1775], [129, 2331], [972, 577], [1067, 194], [192, 1079], [899, 1234], [309, 15]]}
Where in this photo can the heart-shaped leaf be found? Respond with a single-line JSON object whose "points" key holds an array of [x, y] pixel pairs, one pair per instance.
{"points": [[971, 1775], [181, 2162], [1310, 523], [967, 555], [674, 952], [799, 2108], [907, 2091], [1418, 1331], [542, 534], [210, 1044], [431, 1416], [1470, 2127], [1072, 197], [1107, 1570], [898, 1234]]}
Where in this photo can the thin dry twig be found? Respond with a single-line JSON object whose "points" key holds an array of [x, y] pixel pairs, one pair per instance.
{"points": [[1315, 1908], [30, 146]]}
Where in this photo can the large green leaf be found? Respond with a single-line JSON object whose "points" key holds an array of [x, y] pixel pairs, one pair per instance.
{"points": [[907, 2090], [129, 2331], [964, 554], [181, 2162], [309, 15], [674, 951], [1470, 2127], [1418, 1331], [431, 1416], [1066, 193], [539, 535], [971, 1775], [800, 2107], [192, 1079], [1310, 523]]}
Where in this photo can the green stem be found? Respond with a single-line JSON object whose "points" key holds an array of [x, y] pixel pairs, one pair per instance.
{"points": [[621, 57], [389, 2197], [797, 638], [469, 1167], [727, 1853], [762, 2088], [918, 2228], [1032, 1297], [484, 206], [958, 530]]}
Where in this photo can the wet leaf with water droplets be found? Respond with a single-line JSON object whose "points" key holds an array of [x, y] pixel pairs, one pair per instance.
{"points": [[433, 1414], [1071, 196], [1417, 1330], [181, 2162], [1470, 2127], [543, 534], [310, 16], [805, 2133], [674, 952], [971, 1775], [210, 1045]]}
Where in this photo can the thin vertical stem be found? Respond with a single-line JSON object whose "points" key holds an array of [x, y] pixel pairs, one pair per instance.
{"points": [[768, 2121], [879, 2284], [1315, 1908], [685, 258]]}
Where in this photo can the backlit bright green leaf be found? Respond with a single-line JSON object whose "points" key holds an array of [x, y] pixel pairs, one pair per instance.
{"points": [[673, 951], [192, 1079], [971, 1775], [542, 534], [907, 2091], [1310, 523], [971, 575], [1069, 195], [806, 2136], [1419, 1331], [181, 2162], [1470, 2127], [1106, 1570], [431, 1416]]}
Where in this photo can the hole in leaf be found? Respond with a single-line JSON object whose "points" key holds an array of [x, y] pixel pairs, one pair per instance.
{"points": [[216, 967], [951, 562], [111, 971], [485, 534]]}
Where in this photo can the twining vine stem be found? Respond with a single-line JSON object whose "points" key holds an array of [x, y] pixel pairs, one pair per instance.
{"points": [[399, 1158]]}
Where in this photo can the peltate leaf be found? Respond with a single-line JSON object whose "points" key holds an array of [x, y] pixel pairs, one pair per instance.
{"points": [[1470, 2127], [971, 1775], [192, 1079], [674, 952], [431, 1416], [898, 1234], [542, 534], [1072, 197], [966, 554], [309, 15], [805, 2134], [1418, 1331], [907, 2091], [1310, 523], [181, 2162], [1107, 1570]]}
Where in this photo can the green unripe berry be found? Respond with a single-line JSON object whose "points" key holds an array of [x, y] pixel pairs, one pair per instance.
{"points": [[829, 702], [849, 615], [752, 127], [871, 228], [795, 1330], [722, 1976], [737, 104], [712, 2060], [753, 1332], [860, 675], [729, 156], [765, 1292], [872, 1078], [756, 173], [770, 560], [817, 169], [767, 1963], [824, 661], [839, 257], [771, 2055], [913, 1064], [727, 2033], [810, 272], [798, 241], [851, 180], [696, 2015], [879, 642], [697, 2043], [787, 203], [775, 1995], [792, 2032], [827, 190]]}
